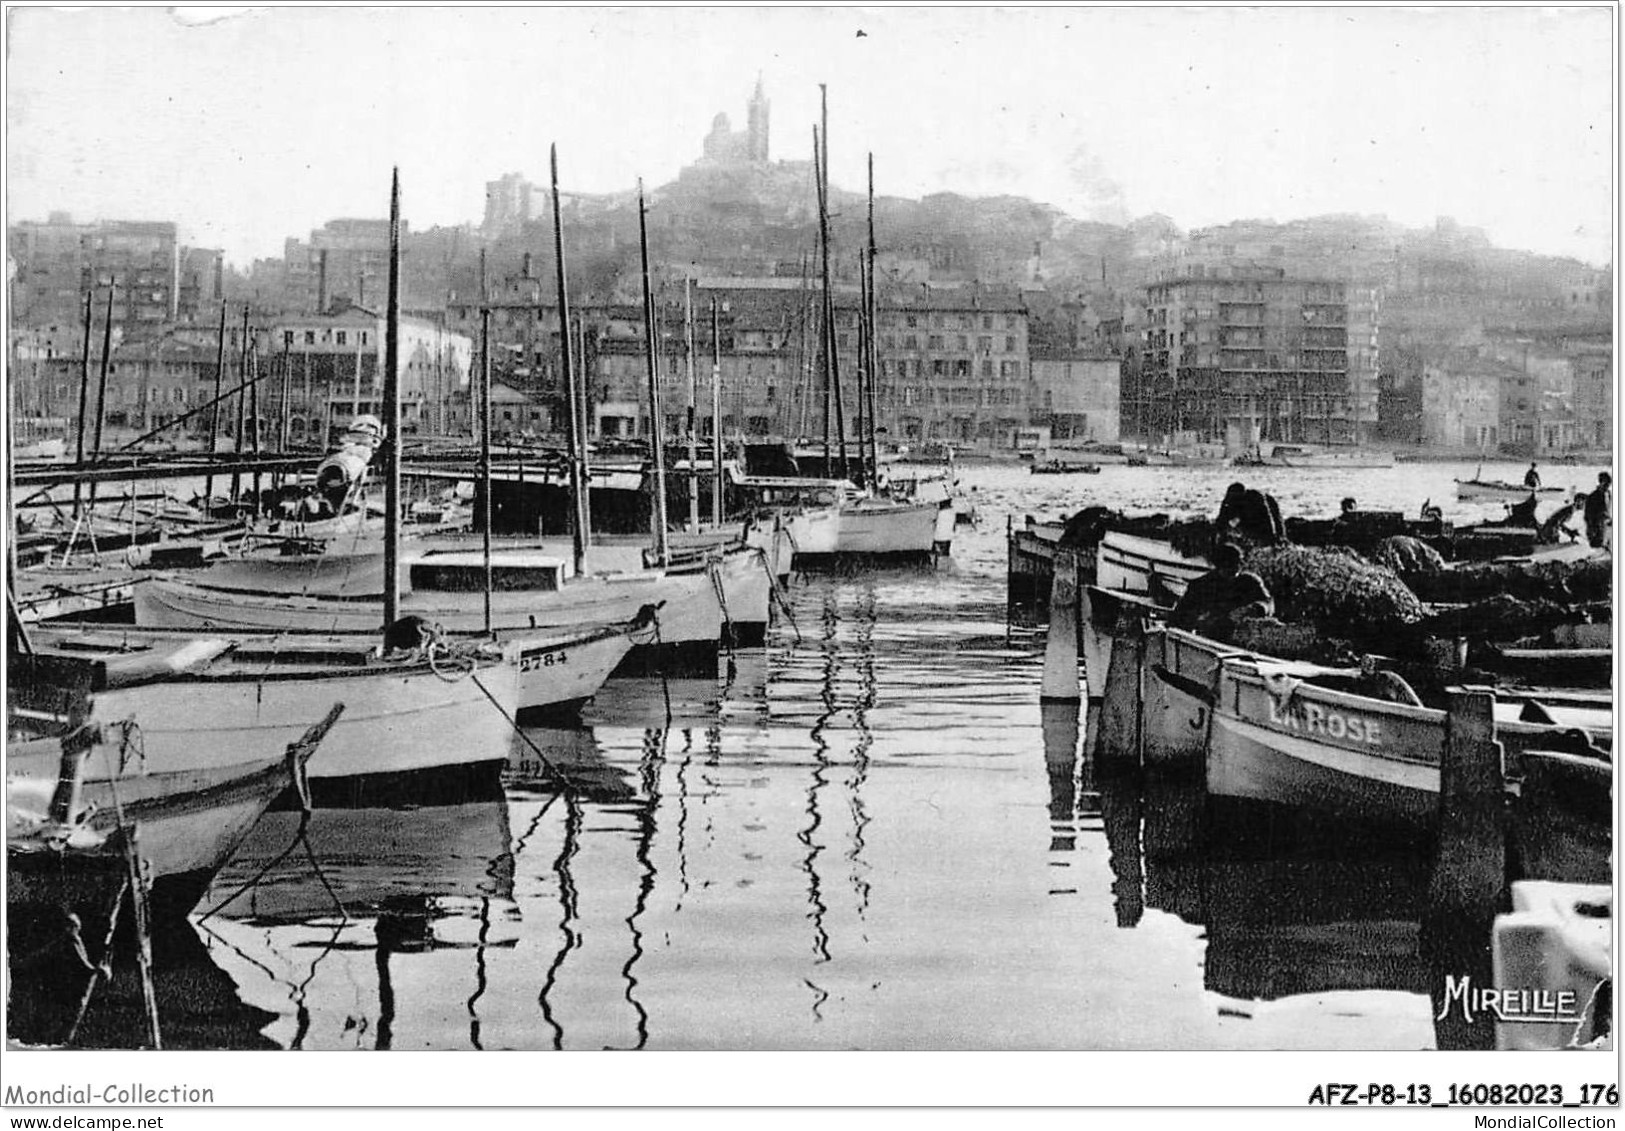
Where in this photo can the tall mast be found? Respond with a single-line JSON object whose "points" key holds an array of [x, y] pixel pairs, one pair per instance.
{"points": [[213, 423], [254, 412], [693, 406], [803, 364], [585, 500], [579, 483], [863, 478], [657, 442], [823, 311], [874, 353], [287, 407], [485, 439], [716, 416], [101, 383], [242, 407], [392, 411], [829, 298], [84, 398]]}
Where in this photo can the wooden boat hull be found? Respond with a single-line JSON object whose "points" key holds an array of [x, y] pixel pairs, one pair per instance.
{"points": [[887, 531], [1030, 569], [414, 716], [690, 615], [1492, 489], [1292, 743], [1178, 685], [188, 824], [1132, 564]]}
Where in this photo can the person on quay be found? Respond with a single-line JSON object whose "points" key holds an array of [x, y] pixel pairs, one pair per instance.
{"points": [[1599, 511], [1217, 601]]}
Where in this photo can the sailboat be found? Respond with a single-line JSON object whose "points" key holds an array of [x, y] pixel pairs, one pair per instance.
{"points": [[872, 524], [682, 607], [419, 702]]}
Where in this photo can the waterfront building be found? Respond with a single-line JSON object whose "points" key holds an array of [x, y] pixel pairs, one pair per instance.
{"points": [[953, 364], [1461, 404], [334, 364], [55, 261], [345, 259], [1239, 353], [1075, 394]]}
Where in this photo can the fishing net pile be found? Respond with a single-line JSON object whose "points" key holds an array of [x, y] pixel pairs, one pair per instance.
{"points": [[1503, 617], [1336, 590], [1587, 580]]}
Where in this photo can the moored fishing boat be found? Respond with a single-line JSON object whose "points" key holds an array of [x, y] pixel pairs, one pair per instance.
{"points": [[877, 528], [1280, 734], [82, 799], [534, 590], [1317, 456], [1061, 466], [1500, 489], [257, 693]]}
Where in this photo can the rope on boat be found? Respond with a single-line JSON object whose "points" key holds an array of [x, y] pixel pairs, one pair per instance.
{"points": [[714, 569], [648, 615], [780, 595], [297, 760], [140, 894], [98, 971]]}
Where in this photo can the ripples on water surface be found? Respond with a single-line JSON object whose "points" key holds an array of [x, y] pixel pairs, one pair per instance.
{"points": [[866, 836]]}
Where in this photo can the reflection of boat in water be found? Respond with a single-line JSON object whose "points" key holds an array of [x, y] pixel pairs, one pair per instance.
{"points": [[428, 895], [369, 857], [565, 759], [199, 1004], [1281, 919]]}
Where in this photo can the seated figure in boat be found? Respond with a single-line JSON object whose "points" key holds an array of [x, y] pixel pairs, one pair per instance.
{"points": [[1251, 515], [1218, 600]]}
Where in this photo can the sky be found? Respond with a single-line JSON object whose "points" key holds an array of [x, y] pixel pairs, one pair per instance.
{"points": [[248, 125]]}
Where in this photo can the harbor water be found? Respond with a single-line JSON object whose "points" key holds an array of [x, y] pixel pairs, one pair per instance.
{"points": [[868, 835]]}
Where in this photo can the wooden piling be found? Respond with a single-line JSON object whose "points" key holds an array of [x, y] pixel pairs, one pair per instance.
{"points": [[1469, 870], [1061, 645], [1117, 745]]}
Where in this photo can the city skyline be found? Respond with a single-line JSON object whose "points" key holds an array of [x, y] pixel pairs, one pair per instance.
{"points": [[250, 126]]}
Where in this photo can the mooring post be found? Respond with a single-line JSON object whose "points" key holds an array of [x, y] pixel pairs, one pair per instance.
{"points": [[1117, 746], [1469, 869], [1061, 644]]}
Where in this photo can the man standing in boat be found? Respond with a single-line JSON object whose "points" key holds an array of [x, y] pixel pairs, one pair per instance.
{"points": [[1215, 602], [1531, 478]]}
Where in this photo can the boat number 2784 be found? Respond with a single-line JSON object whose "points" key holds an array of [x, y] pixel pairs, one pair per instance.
{"points": [[530, 661]]}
